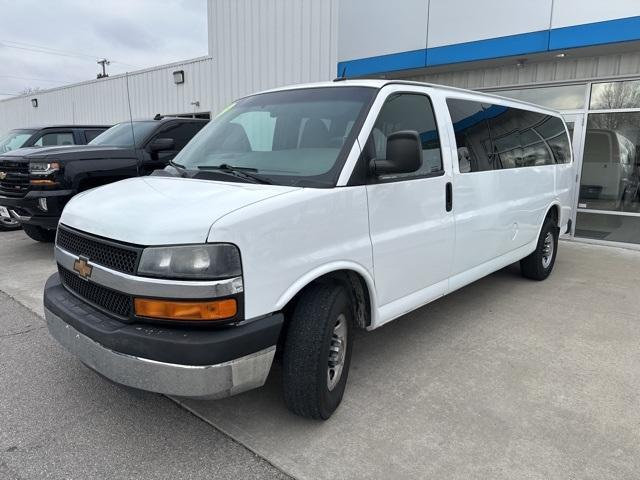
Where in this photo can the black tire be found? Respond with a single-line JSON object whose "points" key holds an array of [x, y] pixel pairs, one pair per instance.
{"points": [[7, 224], [305, 360], [539, 264], [39, 234]]}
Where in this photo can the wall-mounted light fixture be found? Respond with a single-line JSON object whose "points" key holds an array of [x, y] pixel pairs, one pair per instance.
{"points": [[520, 63], [34, 102], [178, 77], [561, 55]]}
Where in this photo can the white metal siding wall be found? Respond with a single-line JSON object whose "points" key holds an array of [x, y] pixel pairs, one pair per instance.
{"points": [[105, 101], [369, 28], [262, 44], [567, 69]]}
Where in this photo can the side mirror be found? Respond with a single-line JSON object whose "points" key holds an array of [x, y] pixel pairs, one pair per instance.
{"points": [[404, 154], [162, 144]]}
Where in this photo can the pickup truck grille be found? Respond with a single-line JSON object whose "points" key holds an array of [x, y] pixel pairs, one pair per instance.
{"points": [[110, 301], [113, 255], [14, 178]]}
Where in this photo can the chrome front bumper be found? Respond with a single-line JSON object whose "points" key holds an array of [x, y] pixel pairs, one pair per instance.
{"points": [[202, 381]]}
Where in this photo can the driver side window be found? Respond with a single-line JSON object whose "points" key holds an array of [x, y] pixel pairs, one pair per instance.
{"points": [[409, 111]]}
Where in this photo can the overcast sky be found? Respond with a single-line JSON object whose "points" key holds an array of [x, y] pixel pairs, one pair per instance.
{"points": [[133, 34]]}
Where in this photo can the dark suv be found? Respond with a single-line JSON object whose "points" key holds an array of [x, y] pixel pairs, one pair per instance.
{"points": [[57, 135], [36, 183]]}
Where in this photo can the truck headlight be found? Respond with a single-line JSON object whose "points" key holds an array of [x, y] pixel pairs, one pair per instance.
{"points": [[192, 262], [43, 168]]}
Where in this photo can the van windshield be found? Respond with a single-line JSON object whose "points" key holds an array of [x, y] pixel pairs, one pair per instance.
{"points": [[293, 137]]}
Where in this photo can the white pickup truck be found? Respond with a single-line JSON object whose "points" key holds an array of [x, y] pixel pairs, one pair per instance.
{"points": [[296, 216]]}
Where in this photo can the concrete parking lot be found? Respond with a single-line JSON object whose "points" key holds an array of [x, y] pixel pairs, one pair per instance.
{"points": [[506, 378]]}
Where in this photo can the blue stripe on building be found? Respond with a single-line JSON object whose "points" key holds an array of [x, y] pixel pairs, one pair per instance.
{"points": [[599, 33]]}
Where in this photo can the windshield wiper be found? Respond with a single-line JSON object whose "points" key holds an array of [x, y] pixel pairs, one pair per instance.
{"points": [[245, 173]]}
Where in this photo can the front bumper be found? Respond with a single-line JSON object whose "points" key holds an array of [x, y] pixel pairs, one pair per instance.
{"points": [[26, 210], [193, 362]]}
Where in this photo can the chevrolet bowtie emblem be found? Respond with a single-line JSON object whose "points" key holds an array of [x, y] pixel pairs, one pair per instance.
{"points": [[82, 268], [3, 175]]}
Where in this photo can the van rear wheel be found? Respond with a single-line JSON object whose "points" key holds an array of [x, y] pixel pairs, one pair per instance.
{"points": [[539, 264], [317, 351]]}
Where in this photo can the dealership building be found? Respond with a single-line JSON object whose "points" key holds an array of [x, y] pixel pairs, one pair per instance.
{"points": [[581, 57]]}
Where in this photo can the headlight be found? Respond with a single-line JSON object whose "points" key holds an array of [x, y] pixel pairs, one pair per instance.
{"points": [[193, 262], [43, 168]]}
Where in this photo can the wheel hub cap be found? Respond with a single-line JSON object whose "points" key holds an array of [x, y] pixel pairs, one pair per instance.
{"points": [[337, 352], [547, 250]]}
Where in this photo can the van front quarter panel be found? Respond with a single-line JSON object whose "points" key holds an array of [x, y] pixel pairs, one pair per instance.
{"points": [[287, 241]]}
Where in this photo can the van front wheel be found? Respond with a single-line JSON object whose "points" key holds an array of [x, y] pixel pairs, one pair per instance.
{"points": [[539, 264], [317, 351]]}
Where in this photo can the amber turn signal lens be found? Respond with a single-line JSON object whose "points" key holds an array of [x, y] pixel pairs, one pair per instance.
{"points": [[42, 182], [171, 310]]}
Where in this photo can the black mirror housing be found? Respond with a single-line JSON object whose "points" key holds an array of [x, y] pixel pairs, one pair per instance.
{"points": [[404, 154], [162, 144]]}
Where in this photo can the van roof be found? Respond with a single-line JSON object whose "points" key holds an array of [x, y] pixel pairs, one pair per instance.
{"points": [[380, 83]]}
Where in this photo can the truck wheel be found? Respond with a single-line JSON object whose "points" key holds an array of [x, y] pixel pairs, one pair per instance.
{"points": [[8, 224], [539, 264], [317, 351], [39, 234]]}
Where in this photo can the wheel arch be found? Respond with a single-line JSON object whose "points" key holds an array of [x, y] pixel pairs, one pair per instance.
{"points": [[352, 275]]}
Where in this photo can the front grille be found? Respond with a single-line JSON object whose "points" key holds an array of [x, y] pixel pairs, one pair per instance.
{"points": [[123, 258], [109, 300], [16, 178]]}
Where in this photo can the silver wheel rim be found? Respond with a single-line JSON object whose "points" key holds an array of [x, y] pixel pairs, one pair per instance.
{"points": [[337, 352], [9, 222], [547, 250]]}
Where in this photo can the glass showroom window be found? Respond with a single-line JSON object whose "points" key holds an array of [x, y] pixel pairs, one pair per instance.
{"points": [[610, 179], [563, 97]]}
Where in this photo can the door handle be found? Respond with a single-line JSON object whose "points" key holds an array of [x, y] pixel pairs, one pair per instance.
{"points": [[448, 196]]}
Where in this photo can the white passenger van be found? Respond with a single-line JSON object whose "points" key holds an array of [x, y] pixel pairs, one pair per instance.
{"points": [[295, 217]]}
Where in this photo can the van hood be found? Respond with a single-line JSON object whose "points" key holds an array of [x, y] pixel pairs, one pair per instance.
{"points": [[161, 210]]}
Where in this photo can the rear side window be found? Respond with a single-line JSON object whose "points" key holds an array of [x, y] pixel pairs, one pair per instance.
{"points": [[409, 111], [472, 135], [91, 134], [492, 137], [182, 133], [55, 139]]}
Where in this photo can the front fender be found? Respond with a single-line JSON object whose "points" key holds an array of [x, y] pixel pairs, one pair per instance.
{"points": [[304, 280]]}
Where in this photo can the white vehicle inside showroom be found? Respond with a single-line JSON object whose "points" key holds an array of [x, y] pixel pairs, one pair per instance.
{"points": [[293, 218]]}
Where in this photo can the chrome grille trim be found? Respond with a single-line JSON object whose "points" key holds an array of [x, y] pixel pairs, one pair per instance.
{"points": [[152, 287]]}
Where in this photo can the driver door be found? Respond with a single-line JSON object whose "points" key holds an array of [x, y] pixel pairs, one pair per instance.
{"points": [[411, 224]]}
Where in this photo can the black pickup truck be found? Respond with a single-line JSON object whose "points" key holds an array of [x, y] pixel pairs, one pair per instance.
{"points": [[53, 135], [36, 183]]}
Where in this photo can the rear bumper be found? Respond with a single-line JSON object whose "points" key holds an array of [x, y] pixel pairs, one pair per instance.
{"points": [[27, 211], [185, 362]]}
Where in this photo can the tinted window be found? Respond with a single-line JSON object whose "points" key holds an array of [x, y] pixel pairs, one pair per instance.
{"points": [[182, 133], [553, 131], [472, 135], [491, 137], [408, 111], [91, 134], [55, 139], [123, 134]]}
